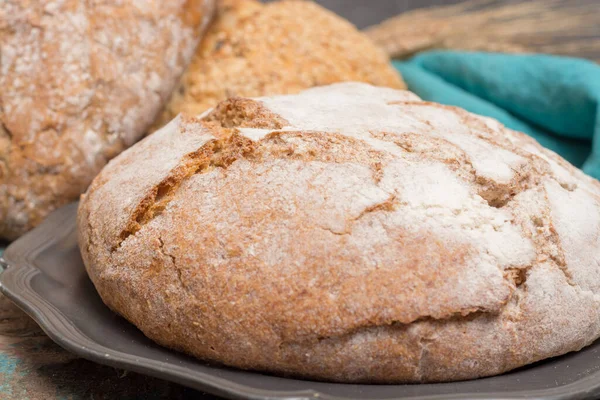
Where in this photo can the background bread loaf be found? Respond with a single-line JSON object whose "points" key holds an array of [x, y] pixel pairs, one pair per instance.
{"points": [[255, 49], [348, 233], [79, 82]]}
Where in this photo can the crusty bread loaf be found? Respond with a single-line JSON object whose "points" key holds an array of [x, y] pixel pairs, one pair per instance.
{"points": [[348, 233], [79, 82], [254, 49]]}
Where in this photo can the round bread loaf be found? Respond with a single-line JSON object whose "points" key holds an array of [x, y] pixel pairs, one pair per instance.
{"points": [[348, 233], [253, 49], [79, 82]]}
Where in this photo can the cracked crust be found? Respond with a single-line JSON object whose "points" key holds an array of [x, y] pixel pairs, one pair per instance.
{"points": [[254, 49], [348, 233], [79, 82]]}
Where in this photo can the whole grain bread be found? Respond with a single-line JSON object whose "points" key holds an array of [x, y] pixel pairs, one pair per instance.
{"points": [[254, 49], [79, 82], [348, 233]]}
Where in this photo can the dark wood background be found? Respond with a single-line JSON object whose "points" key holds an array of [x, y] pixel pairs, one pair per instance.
{"points": [[364, 13]]}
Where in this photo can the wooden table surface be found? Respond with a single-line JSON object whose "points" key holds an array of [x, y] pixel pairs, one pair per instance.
{"points": [[33, 367]]}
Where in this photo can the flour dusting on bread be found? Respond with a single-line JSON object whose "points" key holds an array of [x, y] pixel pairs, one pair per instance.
{"points": [[348, 233]]}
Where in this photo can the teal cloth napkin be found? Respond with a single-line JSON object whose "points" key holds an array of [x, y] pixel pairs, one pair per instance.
{"points": [[553, 99]]}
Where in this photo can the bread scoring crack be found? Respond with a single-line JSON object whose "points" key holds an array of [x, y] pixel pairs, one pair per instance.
{"points": [[517, 275], [238, 112], [161, 248], [387, 205], [3, 129], [462, 316], [496, 194], [547, 231], [218, 153]]}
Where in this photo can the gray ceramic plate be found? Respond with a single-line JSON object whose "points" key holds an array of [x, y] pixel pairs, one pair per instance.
{"points": [[46, 278]]}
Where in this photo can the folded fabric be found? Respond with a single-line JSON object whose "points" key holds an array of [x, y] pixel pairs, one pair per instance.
{"points": [[553, 99]]}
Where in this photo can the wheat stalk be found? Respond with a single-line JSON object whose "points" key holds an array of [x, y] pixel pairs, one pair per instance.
{"points": [[565, 27]]}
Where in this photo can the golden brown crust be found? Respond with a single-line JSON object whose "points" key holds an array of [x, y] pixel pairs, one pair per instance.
{"points": [[371, 238], [255, 49], [79, 82]]}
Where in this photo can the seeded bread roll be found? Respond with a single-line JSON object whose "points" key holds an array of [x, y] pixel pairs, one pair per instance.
{"points": [[254, 49], [79, 82], [348, 233]]}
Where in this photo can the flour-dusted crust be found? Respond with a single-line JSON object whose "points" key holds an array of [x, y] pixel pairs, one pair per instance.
{"points": [[79, 82], [253, 49], [348, 233]]}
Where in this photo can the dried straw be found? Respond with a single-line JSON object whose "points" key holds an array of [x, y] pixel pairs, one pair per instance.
{"points": [[565, 27]]}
